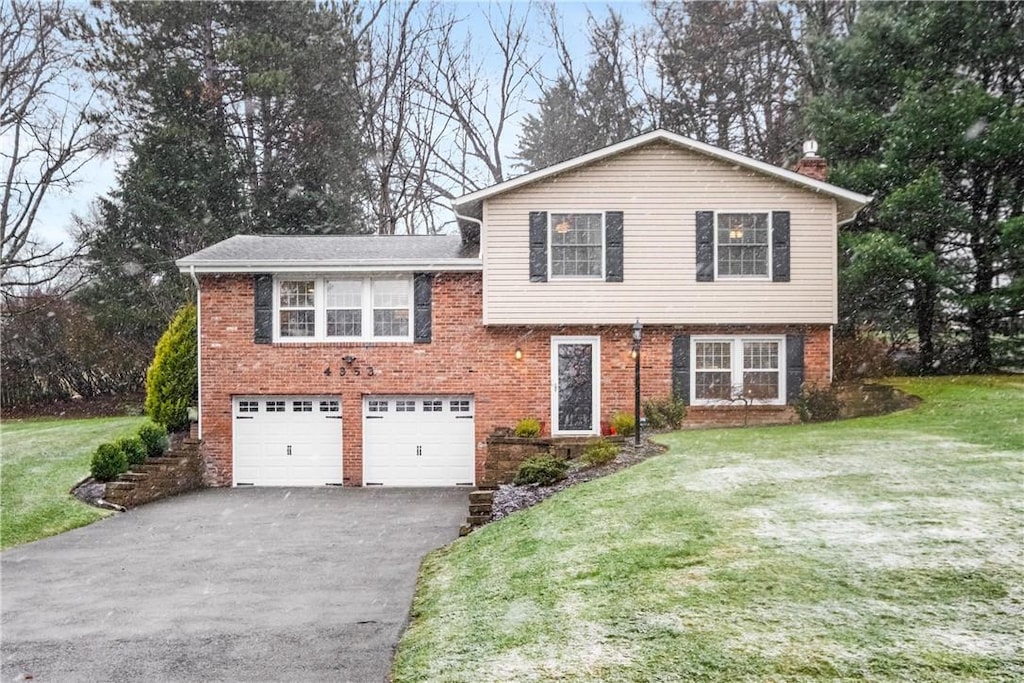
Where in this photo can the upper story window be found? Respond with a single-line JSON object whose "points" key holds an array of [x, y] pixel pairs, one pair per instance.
{"points": [[296, 299], [577, 245], [738, 369], [743, 245], [343, 309]]}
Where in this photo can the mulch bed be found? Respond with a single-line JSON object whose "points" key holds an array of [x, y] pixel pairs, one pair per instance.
{"points": [[509, 498]]}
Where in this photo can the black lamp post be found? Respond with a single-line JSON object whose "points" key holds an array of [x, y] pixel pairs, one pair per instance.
{"points": [[637, 335]]}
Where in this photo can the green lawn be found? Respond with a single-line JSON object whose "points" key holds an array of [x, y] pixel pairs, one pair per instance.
{"points": [[42, 460], [885, 549]]}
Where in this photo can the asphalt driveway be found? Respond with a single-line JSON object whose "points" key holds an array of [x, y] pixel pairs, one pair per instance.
{"points": [[225, 585]]}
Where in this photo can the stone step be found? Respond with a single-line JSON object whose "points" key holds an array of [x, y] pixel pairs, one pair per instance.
{"points": [[134, 475], [164, 460], [481, 497], [481, 509], [120, 485], [478, 520]]}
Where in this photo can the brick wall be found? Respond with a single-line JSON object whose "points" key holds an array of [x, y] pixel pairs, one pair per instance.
{"points": [[462, 358]]}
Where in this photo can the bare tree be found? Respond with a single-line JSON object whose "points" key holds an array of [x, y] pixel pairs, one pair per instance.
{"points": [[400, 117], [49, 129], [482, 97]]}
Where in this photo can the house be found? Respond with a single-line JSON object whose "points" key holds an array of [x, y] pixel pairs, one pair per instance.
{"points": [[365, 360]]}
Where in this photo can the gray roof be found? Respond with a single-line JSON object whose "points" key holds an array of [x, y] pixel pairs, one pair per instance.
{"points": [[274, 253]]}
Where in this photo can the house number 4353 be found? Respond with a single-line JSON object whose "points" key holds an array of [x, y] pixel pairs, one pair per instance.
{"points": [[355, 372]]}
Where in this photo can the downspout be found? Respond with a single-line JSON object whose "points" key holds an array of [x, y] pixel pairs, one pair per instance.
{"points": [[199, 352], [831, 353]]}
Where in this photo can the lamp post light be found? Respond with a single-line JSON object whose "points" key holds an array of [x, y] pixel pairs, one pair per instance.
{"points": [[637, 335]]}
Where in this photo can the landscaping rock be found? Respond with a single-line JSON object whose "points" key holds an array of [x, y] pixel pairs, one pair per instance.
{"points": [[510, 498]]}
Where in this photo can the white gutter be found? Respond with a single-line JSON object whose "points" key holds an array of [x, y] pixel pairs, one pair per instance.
{"points": [[459, 216], [308, 265], [199, 352]]}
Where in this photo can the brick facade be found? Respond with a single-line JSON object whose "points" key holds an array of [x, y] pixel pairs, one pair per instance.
{"points": [[463, 357]]}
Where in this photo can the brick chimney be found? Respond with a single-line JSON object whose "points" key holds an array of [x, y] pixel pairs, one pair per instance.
{"points": [[810, 164]]}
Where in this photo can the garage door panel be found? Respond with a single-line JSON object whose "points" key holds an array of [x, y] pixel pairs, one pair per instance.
{"points": [[275, 445], [418, 440]]}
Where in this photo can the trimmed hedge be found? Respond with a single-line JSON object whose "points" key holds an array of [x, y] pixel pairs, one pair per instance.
{"points": [[172, 382], [154, 438], [108, 462], [133, 448]]}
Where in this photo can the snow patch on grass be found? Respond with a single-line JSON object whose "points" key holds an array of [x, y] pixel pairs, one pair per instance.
{"points": [[587, 652], [973, 642], [718, 479]]}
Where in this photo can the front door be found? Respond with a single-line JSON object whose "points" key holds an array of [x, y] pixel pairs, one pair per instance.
{"points": [[575, 381]]}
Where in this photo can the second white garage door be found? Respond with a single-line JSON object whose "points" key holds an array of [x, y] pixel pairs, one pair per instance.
{"points": [[418, 441]]}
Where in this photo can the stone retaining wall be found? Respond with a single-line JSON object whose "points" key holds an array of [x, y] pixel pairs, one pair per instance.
{"points": [[178, 471]]}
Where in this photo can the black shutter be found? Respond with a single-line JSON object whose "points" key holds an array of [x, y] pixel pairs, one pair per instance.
{"points": [[538, 246], [705, 246], [613, 246], [681, 367], [794, 366], [422, 284], [780, 246], [263, 319]]}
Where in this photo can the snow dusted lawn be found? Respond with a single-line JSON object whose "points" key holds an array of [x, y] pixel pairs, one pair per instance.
{"points": [[882, 549]]}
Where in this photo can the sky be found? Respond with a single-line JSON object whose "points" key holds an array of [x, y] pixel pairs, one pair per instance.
{"points": [[99, 176]]}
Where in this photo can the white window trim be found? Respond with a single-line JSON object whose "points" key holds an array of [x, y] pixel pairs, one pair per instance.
{"points": [[604, 246], [320, 309], [595, 361], [745, 278], [736, 368]]}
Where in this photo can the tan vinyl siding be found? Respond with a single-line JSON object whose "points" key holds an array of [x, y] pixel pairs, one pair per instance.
{"points": [[660, 188]]}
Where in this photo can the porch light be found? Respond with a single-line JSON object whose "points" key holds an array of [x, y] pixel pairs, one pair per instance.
{"points": [[519, 353]]}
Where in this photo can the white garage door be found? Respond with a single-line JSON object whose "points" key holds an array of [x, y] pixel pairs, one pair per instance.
{"points": [[287, 440], [418, 441]]}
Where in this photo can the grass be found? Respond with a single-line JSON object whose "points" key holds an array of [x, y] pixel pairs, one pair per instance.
{"points": [[42, 460], [885, 549]]}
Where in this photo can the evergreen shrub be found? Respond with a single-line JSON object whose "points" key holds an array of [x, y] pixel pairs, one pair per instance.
{"points": [[107, 462], [133, 448], [542, 469], [598, 453], [154, 438], [172, 383], [527, 427], [624, 424], [664, 413]]}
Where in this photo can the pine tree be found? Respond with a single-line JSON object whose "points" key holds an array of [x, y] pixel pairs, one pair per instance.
{"points": [[928, 116]]}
